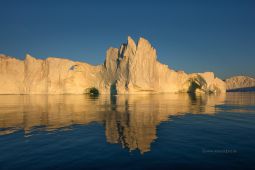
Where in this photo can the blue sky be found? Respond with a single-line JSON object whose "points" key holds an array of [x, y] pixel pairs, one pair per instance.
{"points": [[194, 36]]}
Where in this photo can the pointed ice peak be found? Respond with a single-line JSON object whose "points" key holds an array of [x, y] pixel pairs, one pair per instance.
{"points": [[29, 56], [131, 43], [111, 54], [145, 49], [143, 42], [127, 49]]}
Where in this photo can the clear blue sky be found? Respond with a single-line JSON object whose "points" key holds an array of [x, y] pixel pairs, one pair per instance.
{"points": [[194, 36]]}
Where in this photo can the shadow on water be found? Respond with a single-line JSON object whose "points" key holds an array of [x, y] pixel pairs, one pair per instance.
{"points": [[130, 120]]}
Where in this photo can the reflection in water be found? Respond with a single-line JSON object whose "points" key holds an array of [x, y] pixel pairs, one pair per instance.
{"points": [[130, 120]]}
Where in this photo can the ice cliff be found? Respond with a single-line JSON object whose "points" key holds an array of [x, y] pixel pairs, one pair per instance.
{"points": [[133, 68]]}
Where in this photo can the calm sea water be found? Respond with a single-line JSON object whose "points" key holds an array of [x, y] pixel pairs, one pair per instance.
{"points": [[173, 131]]}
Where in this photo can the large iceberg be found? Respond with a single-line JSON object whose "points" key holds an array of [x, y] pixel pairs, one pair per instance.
{"points": [[131, 69]]}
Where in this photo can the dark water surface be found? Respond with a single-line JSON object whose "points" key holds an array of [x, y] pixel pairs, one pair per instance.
{"points": [[173, 131]]}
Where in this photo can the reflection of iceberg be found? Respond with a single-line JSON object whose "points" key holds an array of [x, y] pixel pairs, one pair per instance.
{"points": [[134, 120], [130, 120]]}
